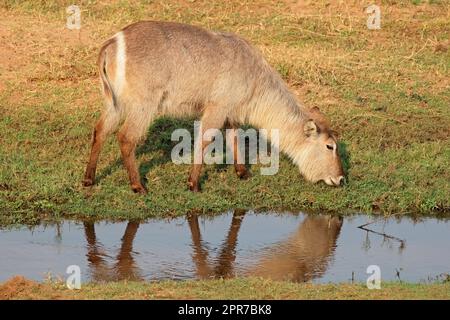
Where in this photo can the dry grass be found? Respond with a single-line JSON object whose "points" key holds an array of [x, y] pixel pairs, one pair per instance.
{"points": [[386, 91], [21, 288]]}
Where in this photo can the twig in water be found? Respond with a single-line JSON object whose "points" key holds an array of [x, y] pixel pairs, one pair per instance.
{"points": [[397, 273], [363, 227]]}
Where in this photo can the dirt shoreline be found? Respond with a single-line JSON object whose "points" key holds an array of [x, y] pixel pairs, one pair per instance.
{"points": [[20, 288]]}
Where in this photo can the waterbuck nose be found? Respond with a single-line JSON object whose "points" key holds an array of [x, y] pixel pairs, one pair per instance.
{"points": [[339, 181]]}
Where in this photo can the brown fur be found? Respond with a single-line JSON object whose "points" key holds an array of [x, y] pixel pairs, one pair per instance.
{"points": [[155, 68]]}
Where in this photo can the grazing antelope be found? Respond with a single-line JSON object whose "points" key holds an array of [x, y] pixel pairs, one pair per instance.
{"points": [[162, 68]]}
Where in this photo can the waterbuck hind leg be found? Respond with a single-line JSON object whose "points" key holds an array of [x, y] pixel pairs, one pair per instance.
{"points": [[131, 133], [232, 142], [128, 140], [108, 123]]}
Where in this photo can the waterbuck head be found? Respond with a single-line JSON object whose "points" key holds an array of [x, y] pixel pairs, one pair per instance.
{"points": [[319, 159]]}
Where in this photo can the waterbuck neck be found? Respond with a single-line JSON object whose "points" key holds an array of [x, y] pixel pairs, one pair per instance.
{"points": [[276, 108]]}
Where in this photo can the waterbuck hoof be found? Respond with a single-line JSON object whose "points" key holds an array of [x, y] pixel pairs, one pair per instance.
{"points": [[139, 189], [194, 187], [243, 175], [87, 182]]}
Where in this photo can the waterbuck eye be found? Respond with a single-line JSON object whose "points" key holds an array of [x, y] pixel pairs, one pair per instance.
{"points": [[330, 147]]}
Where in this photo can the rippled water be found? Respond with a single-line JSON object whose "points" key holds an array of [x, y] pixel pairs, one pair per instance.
{"points": [[296, 247]]}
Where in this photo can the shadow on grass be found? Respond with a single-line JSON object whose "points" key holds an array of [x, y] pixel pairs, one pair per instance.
{"points": [[345, 158], [158, 141]]}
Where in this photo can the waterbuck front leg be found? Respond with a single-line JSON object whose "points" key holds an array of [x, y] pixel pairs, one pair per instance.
{"points": [[108, 123], [232, 142], [212, 118]]}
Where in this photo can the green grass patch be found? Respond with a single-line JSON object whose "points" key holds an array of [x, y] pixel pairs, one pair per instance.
{"points": [[385, 91]]}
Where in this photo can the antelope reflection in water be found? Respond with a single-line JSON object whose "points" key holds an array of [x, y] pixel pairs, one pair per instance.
{"points": [[303, 256], [124, 266]]}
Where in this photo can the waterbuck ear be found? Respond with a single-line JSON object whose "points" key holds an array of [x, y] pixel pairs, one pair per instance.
{"points": [[335, 134], [310, 128]]}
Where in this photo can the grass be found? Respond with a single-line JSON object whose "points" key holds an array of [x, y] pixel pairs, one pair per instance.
{"points": [[252, 288], [387, 92]]}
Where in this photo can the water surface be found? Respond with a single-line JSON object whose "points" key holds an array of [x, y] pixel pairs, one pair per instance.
{"points": [[295, 247]]}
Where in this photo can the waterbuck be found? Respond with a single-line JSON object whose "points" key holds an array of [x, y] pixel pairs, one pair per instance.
{"points": [[155, 68]]}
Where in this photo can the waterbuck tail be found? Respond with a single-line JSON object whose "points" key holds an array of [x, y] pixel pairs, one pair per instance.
{"points": [[106, 85]]}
